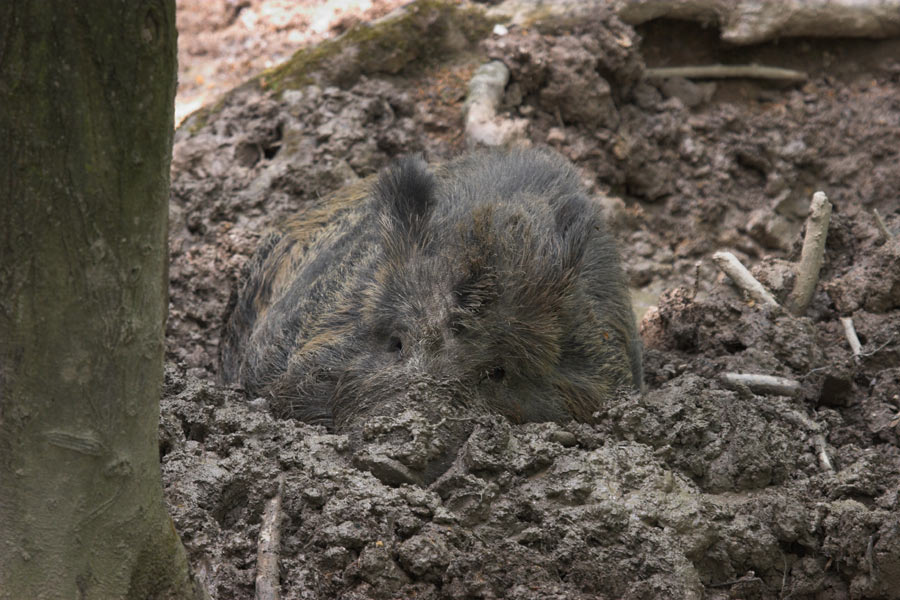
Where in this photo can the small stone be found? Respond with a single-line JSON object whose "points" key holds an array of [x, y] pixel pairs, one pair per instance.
{"points": [[771, 230], [646, 96], [425, 555], [643, 248], [336, 557], [564, 438], [347, 534], [198, 373], [556, 135], [691, 94], [442, 516], [258, 405], [640, 273]]}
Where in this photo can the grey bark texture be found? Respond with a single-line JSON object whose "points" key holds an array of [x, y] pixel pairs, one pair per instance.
{"points": [[86, 113]]}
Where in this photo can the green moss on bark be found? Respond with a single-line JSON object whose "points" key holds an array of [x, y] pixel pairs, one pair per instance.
{"points": [[421, 34]]}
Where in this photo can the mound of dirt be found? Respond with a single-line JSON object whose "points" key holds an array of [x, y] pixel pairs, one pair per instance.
{"points": [[692, 489]]}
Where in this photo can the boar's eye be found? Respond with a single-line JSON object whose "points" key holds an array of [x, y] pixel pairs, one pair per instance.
{"points": [[496, 374], [395, 344]]}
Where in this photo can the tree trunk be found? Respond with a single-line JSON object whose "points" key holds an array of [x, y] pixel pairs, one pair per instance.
{"points": [[86, 96]]}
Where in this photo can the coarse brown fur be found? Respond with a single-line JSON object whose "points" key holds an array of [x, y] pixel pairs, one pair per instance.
{"points": [[491, 277]]}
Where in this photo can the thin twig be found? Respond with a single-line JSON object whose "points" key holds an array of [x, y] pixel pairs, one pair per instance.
{"points": [[852, 338], [882, 226], [731, 266], [762, 384], [268, 586], [812, 255], [696, 285], [872, 352], [726, 72], [749, 577], [784, 574]]}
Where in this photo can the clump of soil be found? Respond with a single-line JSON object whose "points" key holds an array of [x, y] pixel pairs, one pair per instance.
{"points": [[690, 490]]}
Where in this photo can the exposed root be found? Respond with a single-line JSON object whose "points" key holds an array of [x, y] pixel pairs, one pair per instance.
{"points": [[726, 72], [852, 338], [483, 126], [824, 460]]}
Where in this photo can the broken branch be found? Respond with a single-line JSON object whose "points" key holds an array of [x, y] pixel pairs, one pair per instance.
{"points": [[731, 266], [267, 581], [762, 384], [812, 255]]}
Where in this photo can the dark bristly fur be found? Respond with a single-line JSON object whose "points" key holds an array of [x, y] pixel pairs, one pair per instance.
{"points": [[492, 276]]}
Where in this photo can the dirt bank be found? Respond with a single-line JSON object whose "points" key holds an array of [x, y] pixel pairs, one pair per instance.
{"points": [[693, 489]]}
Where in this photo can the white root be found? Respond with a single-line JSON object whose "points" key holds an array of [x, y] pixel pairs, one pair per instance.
{"points": [[726, 72], [731, 266], [762, 384], [812, 255], [268, 586], [824, 460], [852, 338]]}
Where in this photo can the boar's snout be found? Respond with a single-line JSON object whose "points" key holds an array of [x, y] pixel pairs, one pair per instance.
{"points": [[413, 437]]}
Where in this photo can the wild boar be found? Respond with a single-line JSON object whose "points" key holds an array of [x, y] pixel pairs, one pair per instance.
{"points": [[492, 278]]}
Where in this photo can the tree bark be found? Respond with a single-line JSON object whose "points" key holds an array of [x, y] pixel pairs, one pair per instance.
{"points": [[86, 115]]}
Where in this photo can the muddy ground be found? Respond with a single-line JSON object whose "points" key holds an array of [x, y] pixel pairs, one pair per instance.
{"points": [[690, 490]]}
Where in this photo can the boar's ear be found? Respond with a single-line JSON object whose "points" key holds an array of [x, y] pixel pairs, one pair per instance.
{"points": [[576, 220], [404, 194]]}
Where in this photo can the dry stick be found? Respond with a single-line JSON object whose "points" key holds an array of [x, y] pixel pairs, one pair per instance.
{"points": [[812, 254], [731, 266], [725, 72], [882, 227], [762, 384], [852, 339], [267, 583]]}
